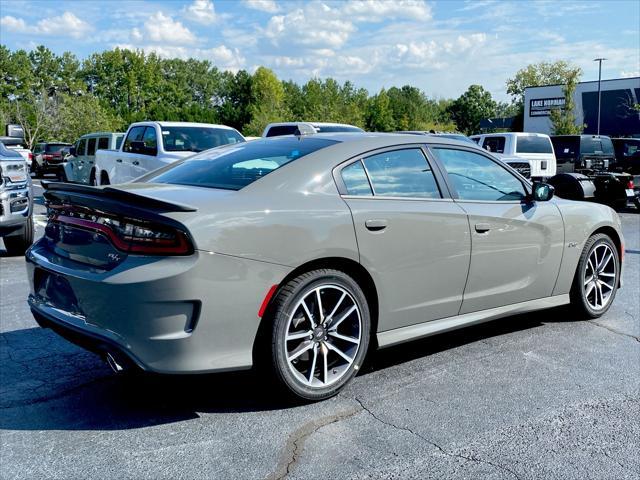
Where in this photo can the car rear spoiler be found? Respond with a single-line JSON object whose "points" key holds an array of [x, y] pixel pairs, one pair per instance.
{"points": [[109, 198]]}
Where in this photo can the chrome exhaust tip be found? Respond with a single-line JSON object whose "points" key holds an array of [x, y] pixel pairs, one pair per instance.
{"points": [[113, 364]]}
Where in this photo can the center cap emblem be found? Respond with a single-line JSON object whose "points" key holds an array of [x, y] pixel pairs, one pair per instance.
{"points": [[318, 333]]}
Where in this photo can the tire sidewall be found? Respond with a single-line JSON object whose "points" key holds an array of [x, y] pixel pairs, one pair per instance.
{"points": [[281, 320]]}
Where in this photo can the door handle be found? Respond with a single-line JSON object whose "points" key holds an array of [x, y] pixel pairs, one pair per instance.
{"points": [[119, 160], [482, 227], [375, 225], [136, 162]]}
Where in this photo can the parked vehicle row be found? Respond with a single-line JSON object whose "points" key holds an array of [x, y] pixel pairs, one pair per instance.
{"points": [[295, 254]]}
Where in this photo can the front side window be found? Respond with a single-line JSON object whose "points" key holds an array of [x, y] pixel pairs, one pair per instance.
{"points": [[533, 144], [82, 144], [476, 177], [91, 146], [197, 139], [355, 179], [135, 135], [150, 141], [233, 167], [401, 173], [494, 144]]}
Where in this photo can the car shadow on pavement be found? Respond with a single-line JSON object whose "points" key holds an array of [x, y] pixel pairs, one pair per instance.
{"points": [[47, 383]]}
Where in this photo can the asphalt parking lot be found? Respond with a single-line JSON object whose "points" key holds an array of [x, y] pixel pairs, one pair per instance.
{"points": [[542, 395]]}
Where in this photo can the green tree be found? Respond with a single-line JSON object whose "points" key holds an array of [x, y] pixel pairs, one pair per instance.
{"points": [[563, 120], [537, 74], [471, 107], [379, 117], [267, 101], [74, 116]]}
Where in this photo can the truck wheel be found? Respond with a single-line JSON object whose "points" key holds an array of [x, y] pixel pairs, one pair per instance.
{"points": [[18, 244], [92, 178], [104, 179]]}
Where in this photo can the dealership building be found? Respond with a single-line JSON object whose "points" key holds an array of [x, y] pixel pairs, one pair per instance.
{"points": [[618, 112]]}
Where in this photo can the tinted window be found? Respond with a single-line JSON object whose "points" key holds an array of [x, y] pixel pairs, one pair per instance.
{"points": [[119, 141], [54, 147], [38, 148], [336, 128], [135, 135], [91, 146], [82, 145], [533, 144], [355, 179], [236, 166], [401, 173], [566, 147], [476, 177], [150, 141], [494, 144], [627, 147], [197, 139], [280, 130], [607, 145], [103, 143]]}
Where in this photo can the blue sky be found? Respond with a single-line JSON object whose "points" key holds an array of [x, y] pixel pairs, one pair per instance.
{"points": [[441, 47]]}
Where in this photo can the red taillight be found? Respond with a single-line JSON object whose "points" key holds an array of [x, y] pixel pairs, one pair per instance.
{"points": [[630, 184], [128, 235], [46, 156], [30, 156]]}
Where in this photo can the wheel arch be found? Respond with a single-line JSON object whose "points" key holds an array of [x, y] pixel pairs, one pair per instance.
{"points": [[352, 268], [613, 234]]}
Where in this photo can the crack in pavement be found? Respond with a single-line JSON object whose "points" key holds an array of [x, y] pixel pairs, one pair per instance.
{"points": [[438, 447], [291, 452], [613, 330]]}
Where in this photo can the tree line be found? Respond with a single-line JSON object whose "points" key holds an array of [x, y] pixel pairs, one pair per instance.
{"points": [[60, 97]]}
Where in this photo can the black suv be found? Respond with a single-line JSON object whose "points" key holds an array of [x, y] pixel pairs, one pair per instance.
{"points": [[47, 157], [583, 152], [627, 154]]}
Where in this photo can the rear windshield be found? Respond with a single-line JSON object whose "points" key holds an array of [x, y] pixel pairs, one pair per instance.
{"points": [[596, 145], [336, 128], [533, 144], [627, 147], [236, 166], [197, 139], [280, 130], [566, 147], [54, 147]]}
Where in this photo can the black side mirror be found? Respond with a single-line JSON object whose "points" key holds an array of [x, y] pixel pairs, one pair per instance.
{"points": [[542, 192], [72, 151]]}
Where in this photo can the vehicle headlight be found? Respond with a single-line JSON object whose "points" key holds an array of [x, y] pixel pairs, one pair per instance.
{"points": [[16, 173]]}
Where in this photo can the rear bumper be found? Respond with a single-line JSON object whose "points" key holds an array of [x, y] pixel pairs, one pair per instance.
{"points": [[178, 315]]}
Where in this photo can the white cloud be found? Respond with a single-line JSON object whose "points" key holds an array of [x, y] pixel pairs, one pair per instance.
{"points": [[269, 6], [67, 25], [379, 10], [201, 11], [316, 25], [626, 74], [163, 29]]}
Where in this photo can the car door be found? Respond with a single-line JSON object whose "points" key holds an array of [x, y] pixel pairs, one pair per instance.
{"points": [[77, 161], [412, 238], [516, 244], [124, 160], [148, 160]]}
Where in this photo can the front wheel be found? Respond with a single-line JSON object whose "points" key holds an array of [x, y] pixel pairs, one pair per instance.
{"points": [[596, 279], [320, 333]]}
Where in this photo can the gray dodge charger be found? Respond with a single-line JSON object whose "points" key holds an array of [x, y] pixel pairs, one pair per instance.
{"points": [[300, 253]]}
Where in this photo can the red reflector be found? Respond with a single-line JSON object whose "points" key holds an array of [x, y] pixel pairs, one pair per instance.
{"points": [[267, 299]]}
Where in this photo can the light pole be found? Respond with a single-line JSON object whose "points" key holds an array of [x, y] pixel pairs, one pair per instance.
{"points": [[599, 60]]}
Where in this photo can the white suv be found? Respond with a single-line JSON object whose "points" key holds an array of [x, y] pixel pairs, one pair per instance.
{"points": [[514, 147]]}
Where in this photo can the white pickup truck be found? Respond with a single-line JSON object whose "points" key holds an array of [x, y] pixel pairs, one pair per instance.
{"points": [[517, 149], [148, 146]]}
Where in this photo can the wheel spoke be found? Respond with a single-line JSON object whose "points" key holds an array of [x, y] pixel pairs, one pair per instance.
{"points": [[320, 306], [299, 335], [605, 261], [335, 309], [588, 281], [332, 347], [604, 284], [309, 316], [325, 354], [345, 338], [590, 264], [334, 326], [607, 274], [300, 349], [589, 289], [313, 363]]}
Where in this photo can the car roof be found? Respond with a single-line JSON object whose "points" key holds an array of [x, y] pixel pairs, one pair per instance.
{"points": [[514, 134], [183, 124], [100, 134]]}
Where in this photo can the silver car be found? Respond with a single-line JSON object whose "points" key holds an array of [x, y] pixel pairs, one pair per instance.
{"points": [[16, 202], [299, 253]]}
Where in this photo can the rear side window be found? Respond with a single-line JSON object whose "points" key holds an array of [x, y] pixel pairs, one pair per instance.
{"points": [[336, 128], [91, 146], [401, 173], [533, 144], [355, 179], [103, 143], [566, 147], [494, 144], [119, 141], [150, 141], [135, 135], [280, 130], [233, 167]]}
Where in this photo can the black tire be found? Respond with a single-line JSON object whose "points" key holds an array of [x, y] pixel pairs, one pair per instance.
{"points": [[35, 169], [92, 178], [104, 179], [18, 244], [287, 297], [579, 301]]}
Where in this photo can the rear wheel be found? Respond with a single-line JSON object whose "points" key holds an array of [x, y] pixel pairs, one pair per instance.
{"points": [[18, 244], [596, 279], [320, 333], [104, 179]]}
